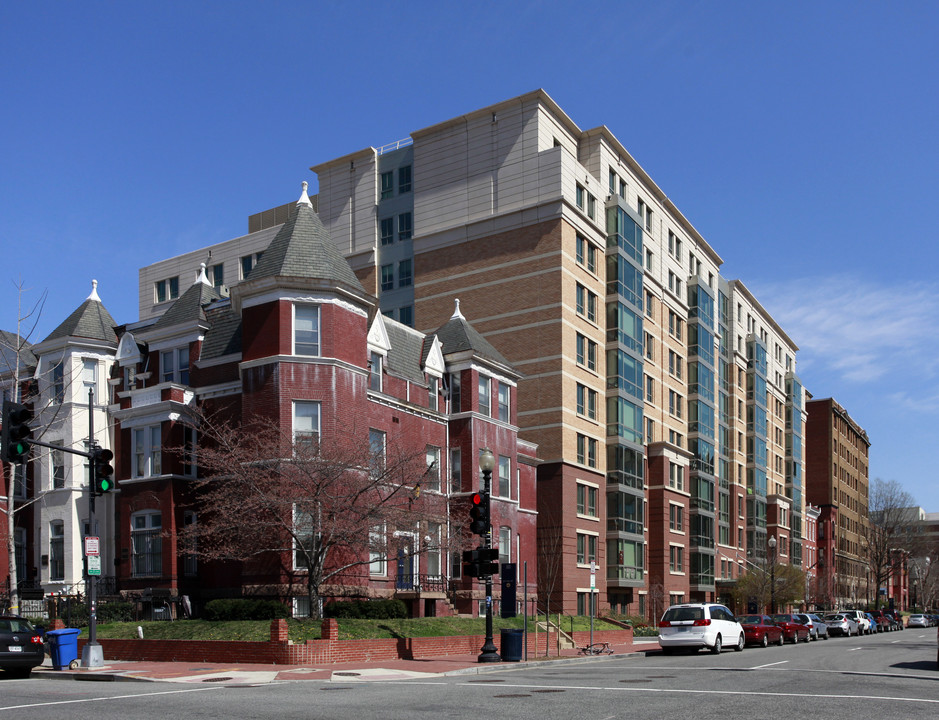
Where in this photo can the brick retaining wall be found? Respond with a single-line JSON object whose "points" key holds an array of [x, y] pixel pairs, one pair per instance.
{"points": [[329, 649]]}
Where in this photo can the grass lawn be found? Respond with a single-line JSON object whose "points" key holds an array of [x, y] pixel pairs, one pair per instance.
{"points": [[302, 630]]}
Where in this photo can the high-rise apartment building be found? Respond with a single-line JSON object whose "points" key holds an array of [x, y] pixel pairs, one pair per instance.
{"points": [[662, 396], [837, 482]]}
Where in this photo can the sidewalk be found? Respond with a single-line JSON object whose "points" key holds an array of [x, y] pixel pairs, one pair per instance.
{"points": [[256, 674]]}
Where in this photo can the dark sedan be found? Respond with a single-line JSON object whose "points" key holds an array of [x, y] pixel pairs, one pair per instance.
{"points": [[792, 629], [21, 646], [761, 630]]}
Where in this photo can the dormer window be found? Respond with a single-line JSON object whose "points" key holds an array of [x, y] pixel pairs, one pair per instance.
{"points": [[374, 372], [306, 330], [174, 366]]}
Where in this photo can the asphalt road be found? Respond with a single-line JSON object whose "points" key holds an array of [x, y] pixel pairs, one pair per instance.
{"points": [[890, 675]]}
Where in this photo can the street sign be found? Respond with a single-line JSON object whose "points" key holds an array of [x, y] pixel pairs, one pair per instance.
{"points": [[91, 546], [94, 564], [593, 574]]}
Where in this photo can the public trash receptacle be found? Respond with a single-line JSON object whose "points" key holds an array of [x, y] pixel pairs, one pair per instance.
{"points": [[63, 647], [512, 644]]}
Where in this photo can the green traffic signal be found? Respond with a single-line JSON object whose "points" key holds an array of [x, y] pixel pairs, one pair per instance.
{"points": [[16, 432], [102, 470]]}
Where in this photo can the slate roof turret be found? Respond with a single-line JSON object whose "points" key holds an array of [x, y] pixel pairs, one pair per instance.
{"points": [[91, 320], [457, 335], [190, 306]]}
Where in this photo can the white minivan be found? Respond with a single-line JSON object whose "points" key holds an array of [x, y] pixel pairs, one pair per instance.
{"points": [[698, 625]]}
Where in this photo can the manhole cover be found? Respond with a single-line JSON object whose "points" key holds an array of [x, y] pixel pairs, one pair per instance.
{"points": [[347, 674], [216, 679], [637, 680]]}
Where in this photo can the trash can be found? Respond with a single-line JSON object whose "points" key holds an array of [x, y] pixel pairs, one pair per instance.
{"points": [[63, 647], [512, 644]]}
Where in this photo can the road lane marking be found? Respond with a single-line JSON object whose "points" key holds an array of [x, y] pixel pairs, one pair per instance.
{"points": [[103, 699], [760, 667]]}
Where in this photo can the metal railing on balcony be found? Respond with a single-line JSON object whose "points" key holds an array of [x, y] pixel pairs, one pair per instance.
{"points": [[421, 582]]}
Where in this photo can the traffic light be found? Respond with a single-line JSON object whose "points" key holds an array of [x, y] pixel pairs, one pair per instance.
{"points": [[16, 432], [488, 561], [479, 514], [101, 470], [471, 562]]}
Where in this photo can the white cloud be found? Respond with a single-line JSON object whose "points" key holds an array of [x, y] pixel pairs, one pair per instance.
{"points": [[861, 330]]}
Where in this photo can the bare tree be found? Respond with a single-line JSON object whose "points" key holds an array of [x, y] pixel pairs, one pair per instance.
{"points": [[550, 558], [756, 586], [329, 506], [891, 533]]}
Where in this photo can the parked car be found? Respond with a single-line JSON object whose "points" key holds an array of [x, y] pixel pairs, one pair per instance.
{"points": [[813, 625], [917, 621], [876, 625], [897, 618], [841, 625], [792, 628], [820, 626], [21, 647], [887, 622], [698, 625], [859, 617], [761, 630]]}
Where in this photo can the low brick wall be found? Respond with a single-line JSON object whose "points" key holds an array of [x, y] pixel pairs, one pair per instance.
{"points": [[329, 649]]}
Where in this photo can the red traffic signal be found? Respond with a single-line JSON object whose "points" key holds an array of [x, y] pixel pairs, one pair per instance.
{"points": [[479, 514]]}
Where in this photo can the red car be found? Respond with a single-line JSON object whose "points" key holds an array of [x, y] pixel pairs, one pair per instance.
{"points": [[761, 630], [791, 627]]}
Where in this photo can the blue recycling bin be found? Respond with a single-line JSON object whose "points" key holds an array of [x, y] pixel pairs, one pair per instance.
{"points": [[63, 647]]}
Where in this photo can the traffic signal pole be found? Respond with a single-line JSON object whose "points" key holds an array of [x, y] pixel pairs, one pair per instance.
{"points": [[489, 652], [92, 652]]}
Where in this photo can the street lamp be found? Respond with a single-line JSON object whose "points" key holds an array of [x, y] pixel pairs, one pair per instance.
{"points": [[486, 463], [772, 574]]}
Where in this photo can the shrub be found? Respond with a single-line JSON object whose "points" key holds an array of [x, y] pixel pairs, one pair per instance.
{"points": [[244, 609], [366, 609]]}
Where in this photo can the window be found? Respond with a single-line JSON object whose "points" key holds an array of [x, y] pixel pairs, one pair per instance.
{"points": [[166, 289], [649, 343], [649, 258], [58, 383], [404, 273], [146, 543], [591, 206], [404, 226], [675, 325], [674, 364], [306, 330], [674, 403], [586, 500], [386, 232], [455, 394], [305, 537], [248, 262], [586, 451], [90, 378], [432, 475], [586, 548], [676, 518], [387, 277], [676, 476], [374, 372], [456, 470], [406, 315], [306, 424], [377, 551], [586, 352], [217, 275], [676, 558], [433, 392], [387, 185], [57, 550], [174, 366], [484, 399], [404, 179], [580, 196], [586, 401], [586, 254], [58, 469], [505, 476], [505, 544], [504, 402], [147, 452], [612, 182], [189, 451], [650, 426], [650, 386], [586, 303], [376, 445]]}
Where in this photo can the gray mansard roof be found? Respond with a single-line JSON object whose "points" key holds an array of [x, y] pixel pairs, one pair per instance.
{"points": [[91, 320]]}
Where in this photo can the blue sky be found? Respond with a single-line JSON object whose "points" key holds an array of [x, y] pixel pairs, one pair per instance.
{"points": [[800, 138]]}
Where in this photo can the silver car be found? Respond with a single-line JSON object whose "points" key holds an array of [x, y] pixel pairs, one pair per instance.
{"points": [[841, 625], [698, 625], [817, 627], [917, 621]]}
